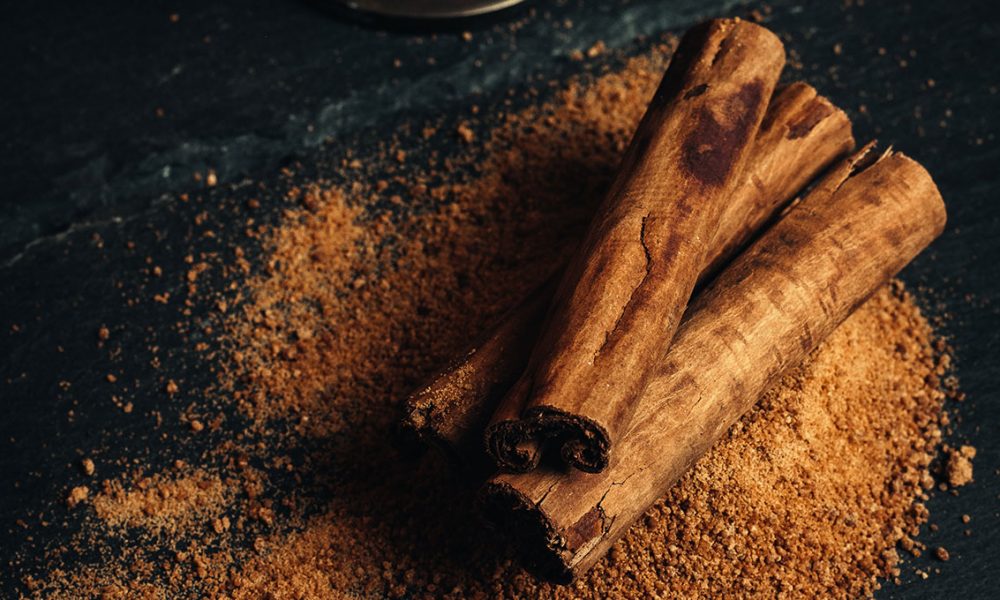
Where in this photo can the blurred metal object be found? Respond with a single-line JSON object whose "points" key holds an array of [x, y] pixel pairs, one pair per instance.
{"points": [[429, 9]]}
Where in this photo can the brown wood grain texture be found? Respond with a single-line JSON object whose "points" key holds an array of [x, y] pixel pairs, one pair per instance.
{"points": [[802, 133], [763, 314], [638, 265]]}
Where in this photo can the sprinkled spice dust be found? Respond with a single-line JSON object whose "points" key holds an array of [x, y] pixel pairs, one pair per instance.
{"points": [[163, 504], [312, 494]]}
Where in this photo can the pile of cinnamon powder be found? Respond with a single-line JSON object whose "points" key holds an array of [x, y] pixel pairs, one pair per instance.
{"points": [[363, 286]]}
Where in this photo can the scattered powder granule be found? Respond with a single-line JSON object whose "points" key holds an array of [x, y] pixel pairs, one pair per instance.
{"points": [[958, 469], [597, 49], [77, 495], [465, 133], [346, 308]]}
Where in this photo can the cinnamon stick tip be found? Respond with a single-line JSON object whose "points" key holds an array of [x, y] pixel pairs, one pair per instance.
{"points": [[735, 27], [523, 523], [921, 179], [918, 179], [711, 41], [804, 111]]}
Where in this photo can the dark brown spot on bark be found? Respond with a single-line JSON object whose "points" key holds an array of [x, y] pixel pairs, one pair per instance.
{"points": [[696, 91], [895, 236], [711, 148], [587, 528]]}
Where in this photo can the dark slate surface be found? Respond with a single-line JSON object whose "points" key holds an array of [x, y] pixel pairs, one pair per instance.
{"points": [[87, 164]]}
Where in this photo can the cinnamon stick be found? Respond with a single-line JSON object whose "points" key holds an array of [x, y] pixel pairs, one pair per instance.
{"points": [[638, 265], [801, 134], [763, 314]]}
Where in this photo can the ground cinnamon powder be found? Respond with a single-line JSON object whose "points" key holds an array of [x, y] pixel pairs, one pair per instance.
{"points": [[363, 287], [163, 504]]}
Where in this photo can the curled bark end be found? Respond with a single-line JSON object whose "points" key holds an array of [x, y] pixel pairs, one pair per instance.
{"points": [[582, 442], [513, 445]]}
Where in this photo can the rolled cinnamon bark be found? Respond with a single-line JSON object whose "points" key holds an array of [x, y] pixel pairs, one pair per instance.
{"points": [[762, 315], [451, 411], [638, 264], [802, 133]]}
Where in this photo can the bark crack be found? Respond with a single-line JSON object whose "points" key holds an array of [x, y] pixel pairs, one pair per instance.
{"points": [[864, 158], [645, 248], [546, 494], [649, 267], [605, 525]]}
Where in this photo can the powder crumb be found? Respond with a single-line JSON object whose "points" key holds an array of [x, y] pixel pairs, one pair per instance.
{"points": [[162, 505], [941, 553], [77, 495], [465, 133], [88, 466], [171, 387], [597, 49], [220, 525], [958, 469]]}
